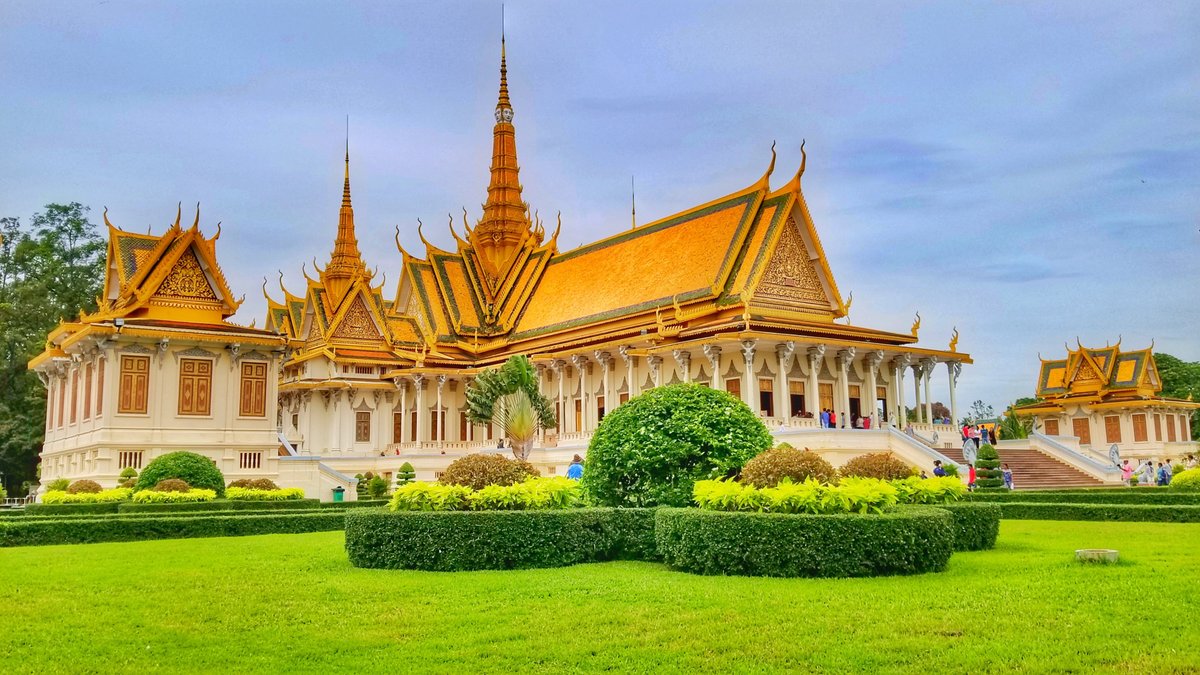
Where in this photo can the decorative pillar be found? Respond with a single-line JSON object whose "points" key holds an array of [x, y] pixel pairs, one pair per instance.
{"points": [[560, 370], [872, 361], [630, 370], [917, 411], [844, 359], [784, 352], [655, 363], [580, 362], [749, 383], [954, 369], [467, 387], [419, 385], [440, 431], [900, 363], [713, 353], [683, 359], [402, 386], [926, 370], [605, 360], [812, 395]]}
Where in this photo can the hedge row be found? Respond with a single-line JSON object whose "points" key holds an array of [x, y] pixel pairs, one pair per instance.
{"points": [[221, 505], [50, 509], [912, 540], [976, 526], [1118, 496], [23, 532], [448, 541], [141, 514], [1133, 513], [361, 503]]}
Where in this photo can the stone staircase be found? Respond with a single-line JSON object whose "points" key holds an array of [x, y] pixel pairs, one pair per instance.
{"points": [[1033, 470]]}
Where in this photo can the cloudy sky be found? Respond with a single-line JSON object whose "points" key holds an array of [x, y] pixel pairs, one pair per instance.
{"points": [[1027, 172]]}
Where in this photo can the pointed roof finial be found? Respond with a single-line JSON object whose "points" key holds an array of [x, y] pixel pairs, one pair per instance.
{"points": [[503, 103], [346, 185], [633, 201]]}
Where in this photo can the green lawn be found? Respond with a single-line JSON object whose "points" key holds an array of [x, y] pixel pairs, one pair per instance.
{"points": [[286, 603]]}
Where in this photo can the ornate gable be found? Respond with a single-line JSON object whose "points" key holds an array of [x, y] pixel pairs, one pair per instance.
{"points": [[357, 323], [791, 278], [186, 282]]}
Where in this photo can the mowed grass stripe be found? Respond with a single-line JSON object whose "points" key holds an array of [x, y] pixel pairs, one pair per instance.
{"points": [[292, 603]]}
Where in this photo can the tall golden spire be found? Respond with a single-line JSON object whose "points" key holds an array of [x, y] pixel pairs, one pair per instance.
{"points": [[505, 224], [346, 261]]}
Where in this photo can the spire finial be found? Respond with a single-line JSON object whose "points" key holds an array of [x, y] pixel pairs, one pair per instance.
{"points": [[504, 112], [633, 201], [346, 184]]}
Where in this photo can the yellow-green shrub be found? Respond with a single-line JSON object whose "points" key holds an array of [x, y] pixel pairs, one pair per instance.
{"points": [[852, 495], [193, 495], [535, 493], [936, 490], [1186, 480], [251, 494], [104, 496], [422, 496]]}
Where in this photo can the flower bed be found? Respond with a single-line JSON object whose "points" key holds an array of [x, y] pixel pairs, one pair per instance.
{"points": [[534, 493], [492, 540], [912, 540]]}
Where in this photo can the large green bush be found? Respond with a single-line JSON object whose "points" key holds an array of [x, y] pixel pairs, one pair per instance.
{"points": [[784, 461], [1186, 481], [480, 470], [987, 468], [650, 450], [976, 525], [908, 541], [41, 532], [197, 471], [479, 540]]}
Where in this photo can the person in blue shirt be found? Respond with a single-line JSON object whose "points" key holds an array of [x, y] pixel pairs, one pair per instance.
{"points": [[575, 471], [937, 468]]}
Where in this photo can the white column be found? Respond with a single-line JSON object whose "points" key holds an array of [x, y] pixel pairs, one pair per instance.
{"points": [[812, 395], [953, 368], [900, 363], [404, 431], [784, 352], [581, 362], [917, 392], [926, 370], [844, 359], [713, 354], [683, 359], [466, 387], [421, 410], [654, 362], [872, 362], [605, 360], [560, 369], [630, 370], [749, 382], [439, 432]]}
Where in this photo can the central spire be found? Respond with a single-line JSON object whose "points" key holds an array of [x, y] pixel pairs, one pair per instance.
{"points": [[505, 224], [346, 261]]}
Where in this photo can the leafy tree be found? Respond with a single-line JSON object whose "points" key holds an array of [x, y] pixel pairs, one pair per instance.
{"points": [[1181, 379], [50, 270], [1014, 426], [508, 396], [1024, 400], [940, 411], [982, 411]]}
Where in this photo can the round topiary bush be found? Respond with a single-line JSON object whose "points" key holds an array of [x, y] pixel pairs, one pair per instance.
{"points": [[772, 466], [881, 465], [254, 484], [1188, 480], [197, 471], [987, 468], [171, 485], [650, 450], [82, 486], [479, 470]]}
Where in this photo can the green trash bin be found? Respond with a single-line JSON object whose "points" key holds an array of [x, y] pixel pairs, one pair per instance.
{"points": [[338, 492]]}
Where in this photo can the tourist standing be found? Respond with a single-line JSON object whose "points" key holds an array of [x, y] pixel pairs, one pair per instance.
{"points": [[1126, 472], [1007, 476], [1191, 462], [937, 468], [575, 471], [1145, 473], [1162, 475], [824, 419], [832, 420], [970, 476], [1169, 472]]}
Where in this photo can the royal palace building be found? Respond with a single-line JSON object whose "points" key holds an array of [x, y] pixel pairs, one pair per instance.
{"points": [[735, 293]]}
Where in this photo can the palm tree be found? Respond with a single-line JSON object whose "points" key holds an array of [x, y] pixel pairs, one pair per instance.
{"points": [[508, 396]]}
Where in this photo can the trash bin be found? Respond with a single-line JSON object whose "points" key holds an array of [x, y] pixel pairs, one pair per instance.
{"points": [[337, 493]]}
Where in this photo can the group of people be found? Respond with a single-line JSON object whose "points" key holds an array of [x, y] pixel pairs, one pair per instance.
{"points": [[978, 433], [829, 420], [1147, 473], [1005, 471]]}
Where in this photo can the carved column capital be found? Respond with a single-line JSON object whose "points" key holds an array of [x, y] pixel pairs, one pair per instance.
{"points": [[785, 351], [580, 361], [845, 357], [955, 369], [682, 357], [815, 354], [873, 358]]}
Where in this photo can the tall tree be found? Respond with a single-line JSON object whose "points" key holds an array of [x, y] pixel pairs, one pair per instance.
{"points": [[508, 396], [1181, 379], [50, 270]]}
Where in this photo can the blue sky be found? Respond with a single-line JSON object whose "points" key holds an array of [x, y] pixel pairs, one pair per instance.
{"points": [[1027, 172]]}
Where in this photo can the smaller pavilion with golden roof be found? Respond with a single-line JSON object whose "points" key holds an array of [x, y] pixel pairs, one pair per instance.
{"points": [[158, 367], [1106, 396]]}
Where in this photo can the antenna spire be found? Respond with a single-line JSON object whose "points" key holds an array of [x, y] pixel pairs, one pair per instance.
{"points": [[633, 201]]}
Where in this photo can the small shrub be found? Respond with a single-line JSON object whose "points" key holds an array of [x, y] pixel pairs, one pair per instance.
{"points": [[1186, 481], [536, 493], [935, 490], [254, 484], [196, 470], [377, 487], [257, 495], [82, 486], [406, 474], [479, 470], [128, 473], [422, 496], [653, 448], [193, 495], [171, 485], [988, 473], [58, 485], [784, 461], [881, 465]]}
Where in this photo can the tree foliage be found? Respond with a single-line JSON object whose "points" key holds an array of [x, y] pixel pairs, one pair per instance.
{"points": [[508, 396], [1181, 379], [981, 411], [50, 269]]}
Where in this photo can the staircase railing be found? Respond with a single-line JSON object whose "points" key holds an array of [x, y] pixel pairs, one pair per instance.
{"points": [[1070, 456], [913, 450]]}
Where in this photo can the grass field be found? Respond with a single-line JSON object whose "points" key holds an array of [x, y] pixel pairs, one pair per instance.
{"points": [[291, 603]]}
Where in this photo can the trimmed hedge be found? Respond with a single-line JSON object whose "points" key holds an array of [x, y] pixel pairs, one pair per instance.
{"points": [[448, 541], [360, 504], [220, 505], [1129, 513], [909, 541], [1119, 496], [27, 532], [976, 526], [135, 515], [93, 507]]}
